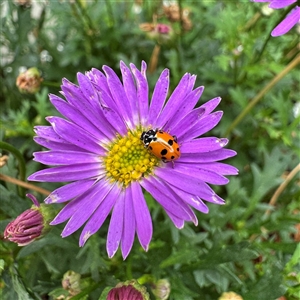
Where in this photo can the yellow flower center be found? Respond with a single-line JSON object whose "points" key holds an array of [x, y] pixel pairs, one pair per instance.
{"points": [[128, 160]]}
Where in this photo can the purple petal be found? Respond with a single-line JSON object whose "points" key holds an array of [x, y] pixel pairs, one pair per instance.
{"points": [[48, 138], [179, 223], [174, 102], [99, 79], [217, 167], [129, 224], [115, 229], [77, 117], [65, 157], [57, 146], [204, 125], [202, 174], [130, 91], [142, 216], [33, 199], [191, 199], [87, 89], [220, 168], [69, 191], [48, 133], [159, 96], [111, 113], [73, 94], [276, 4], [84, 206], [143, 68], [191, 83], [179, 202], [185, 182], [207, 156], [163, 197], [187, 105], [68, 173], [93, 113], [75, 135], [210, 105], [206, 144], [142, 94], [188, 121], [286, 25], [76, 204], [117, 90], [99, 216]]}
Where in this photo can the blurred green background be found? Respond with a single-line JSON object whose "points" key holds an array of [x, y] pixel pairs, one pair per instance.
{"points": [[249, 245]]}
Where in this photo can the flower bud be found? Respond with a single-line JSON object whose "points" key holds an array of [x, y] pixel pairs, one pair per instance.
{"points": [[160, 32], [29, 225], [230, 296], [172, 12], [71, 282], [128, 290], [25, 3], [29, 81], [162, 289], [266, 10]]}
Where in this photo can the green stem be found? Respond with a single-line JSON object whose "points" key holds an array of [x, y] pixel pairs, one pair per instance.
{"points": [[260, 95], [129, 268], [180, 16], [86, 17], [110, 12], [87, 291], [235, 71], [259, 55], [50, 83], [22, 165]]}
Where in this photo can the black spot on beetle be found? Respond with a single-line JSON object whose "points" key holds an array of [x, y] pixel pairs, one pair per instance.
{"points": [[178, 149], [172, 157], [164, 152], [170, 142]]}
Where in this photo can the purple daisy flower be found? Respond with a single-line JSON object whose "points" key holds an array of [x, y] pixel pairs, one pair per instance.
{"points": [[290, 21], [97, 147]]}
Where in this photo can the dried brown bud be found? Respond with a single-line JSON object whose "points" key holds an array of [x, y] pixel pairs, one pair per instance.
{"points": [[29, 81]]}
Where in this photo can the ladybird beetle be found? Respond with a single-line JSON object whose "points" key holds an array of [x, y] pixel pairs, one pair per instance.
{"points": [[161, 144]]}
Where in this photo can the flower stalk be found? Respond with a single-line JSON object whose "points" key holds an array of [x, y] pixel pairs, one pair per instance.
{"points": [[21, 161], [260, 95], [24, 184]]}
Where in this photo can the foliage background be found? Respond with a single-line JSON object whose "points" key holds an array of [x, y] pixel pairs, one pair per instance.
{"points": [[236, 247]]}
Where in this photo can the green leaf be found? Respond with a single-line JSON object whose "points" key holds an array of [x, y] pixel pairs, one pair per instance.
{"points": [[19, 287], [269, 286], [295, 259], [104, 293], [184, 255]]}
